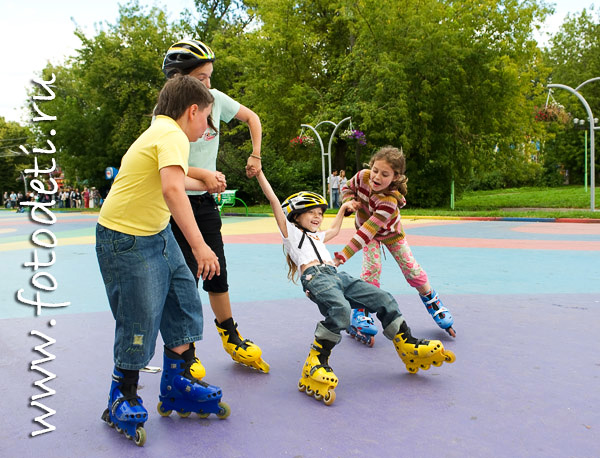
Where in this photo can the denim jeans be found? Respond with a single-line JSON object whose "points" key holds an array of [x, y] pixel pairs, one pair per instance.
{"points": [[336, 292], [335, 197], [149, 288]]}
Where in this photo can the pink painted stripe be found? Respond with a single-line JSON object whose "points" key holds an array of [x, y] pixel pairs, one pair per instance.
{"points": [[456, 242]]}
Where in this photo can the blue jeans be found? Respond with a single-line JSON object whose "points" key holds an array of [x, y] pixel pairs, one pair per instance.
{"points": [[336, 292], [149, 288], [335, 197]]}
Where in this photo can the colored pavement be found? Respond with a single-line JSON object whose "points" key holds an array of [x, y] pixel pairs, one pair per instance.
{"points": [[526, 301]]}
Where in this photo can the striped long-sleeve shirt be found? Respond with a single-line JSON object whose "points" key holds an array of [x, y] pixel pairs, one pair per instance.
{"points": [[378, 216]]}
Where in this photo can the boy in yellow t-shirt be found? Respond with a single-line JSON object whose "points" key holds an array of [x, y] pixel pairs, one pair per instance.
{"points": [[148, 284]]}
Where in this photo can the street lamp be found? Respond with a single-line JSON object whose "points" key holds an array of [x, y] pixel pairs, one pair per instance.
{"points": [[580, 125], [593, 128], [328, 153]]}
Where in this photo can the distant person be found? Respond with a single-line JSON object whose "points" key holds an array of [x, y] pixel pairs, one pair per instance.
{"points": [[86, 197], [343, 181], [333, 188]]}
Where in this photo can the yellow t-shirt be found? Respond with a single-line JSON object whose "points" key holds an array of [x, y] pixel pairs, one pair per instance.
{"points": [[135, 204]]}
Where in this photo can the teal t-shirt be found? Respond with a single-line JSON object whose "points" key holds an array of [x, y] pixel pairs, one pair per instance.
{"points": [[203, 152]]}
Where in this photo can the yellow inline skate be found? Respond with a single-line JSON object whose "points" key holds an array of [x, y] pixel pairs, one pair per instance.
{"points": [[318, 379], [242, 351], [420, 353]]}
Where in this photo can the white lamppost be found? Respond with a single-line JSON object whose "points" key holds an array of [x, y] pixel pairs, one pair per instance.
{"points": [[328, 153], [592, 140]]}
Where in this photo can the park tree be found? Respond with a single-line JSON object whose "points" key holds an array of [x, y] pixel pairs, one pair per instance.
{"points": [[12, 160], [449, 81], [105, 93], [453, 83], [574, 56]]}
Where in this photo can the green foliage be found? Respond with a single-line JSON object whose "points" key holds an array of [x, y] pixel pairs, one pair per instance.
{"points": [[574, 56], [454, 83], [106, 93], [12, 160]]}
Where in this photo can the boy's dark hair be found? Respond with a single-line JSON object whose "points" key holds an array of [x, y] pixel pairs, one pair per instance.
{"points": [[179, 93]]}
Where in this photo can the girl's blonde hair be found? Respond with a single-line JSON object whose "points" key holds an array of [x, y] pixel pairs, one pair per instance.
{"points": [[292, 269], [395, 158]]}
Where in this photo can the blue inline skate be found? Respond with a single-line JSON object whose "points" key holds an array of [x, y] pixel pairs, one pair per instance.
{"points": [[181, 392], [125, 411], [441, 315], [362, 327]]}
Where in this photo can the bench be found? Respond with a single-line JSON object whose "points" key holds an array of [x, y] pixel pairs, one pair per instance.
{"points": [[227, 199]]}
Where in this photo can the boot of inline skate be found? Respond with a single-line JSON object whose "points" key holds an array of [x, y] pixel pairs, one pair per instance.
{"points": [[126, 412], [183, 393], [441, 315], [242, 351], [420, 353], [318, 379], [362, 327]]}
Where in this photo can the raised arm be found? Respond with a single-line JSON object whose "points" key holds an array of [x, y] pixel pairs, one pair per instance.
{"points": [[337, 221], [248, 116], [274, 201]]}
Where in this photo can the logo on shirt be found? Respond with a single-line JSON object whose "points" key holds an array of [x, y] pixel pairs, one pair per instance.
{"points": [[208, 135]]}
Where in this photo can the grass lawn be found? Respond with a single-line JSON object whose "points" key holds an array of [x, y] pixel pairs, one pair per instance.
{"points": [[560, 202]]}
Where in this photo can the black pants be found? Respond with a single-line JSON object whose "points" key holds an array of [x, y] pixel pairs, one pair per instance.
{"points": [[209, 222]]}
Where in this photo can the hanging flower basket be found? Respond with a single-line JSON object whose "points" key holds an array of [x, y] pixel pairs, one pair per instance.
{"points": [[552, 113], [353, 135], [302, 141]]}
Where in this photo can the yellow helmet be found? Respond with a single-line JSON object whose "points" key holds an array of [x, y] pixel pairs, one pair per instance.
{"points": [[301, 202]]}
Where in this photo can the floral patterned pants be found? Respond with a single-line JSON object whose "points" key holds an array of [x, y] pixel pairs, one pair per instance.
{"points": [[371, 266]]}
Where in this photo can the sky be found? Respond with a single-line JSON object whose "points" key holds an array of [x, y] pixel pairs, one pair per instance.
{"points": [[35, 32]]}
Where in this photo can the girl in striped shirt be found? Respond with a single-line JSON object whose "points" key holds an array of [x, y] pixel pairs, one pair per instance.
{"points": [[376, 195]]}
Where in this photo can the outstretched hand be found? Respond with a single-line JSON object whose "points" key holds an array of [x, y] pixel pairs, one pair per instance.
{"points": [[253, 167], [251, 171], [350, 207]]}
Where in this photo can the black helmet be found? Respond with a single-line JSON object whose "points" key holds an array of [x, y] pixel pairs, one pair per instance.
{"points": [[301, 202], [186, 54]]}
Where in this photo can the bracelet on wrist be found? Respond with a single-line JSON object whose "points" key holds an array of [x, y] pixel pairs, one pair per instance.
{"points": [[255, 156]]}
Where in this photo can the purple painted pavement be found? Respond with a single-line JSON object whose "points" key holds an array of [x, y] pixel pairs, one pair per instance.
{"points": [[524, 384]]}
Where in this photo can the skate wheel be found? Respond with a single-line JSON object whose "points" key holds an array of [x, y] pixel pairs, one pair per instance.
{"points": [[264, 367], [106, 417], [163, 413], [318, 397], [412, 369], [203, 414], [224, 411], [371, 342], [309, 391], [451, 331], [329, 398], [184, 414], [301, 387], [437, 363], [425, 367], [118, 428], [449, 356], [140, 436]]}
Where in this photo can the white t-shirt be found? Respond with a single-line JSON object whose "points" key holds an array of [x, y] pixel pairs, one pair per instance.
{"points": [[334, 181], [306, 254]]}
